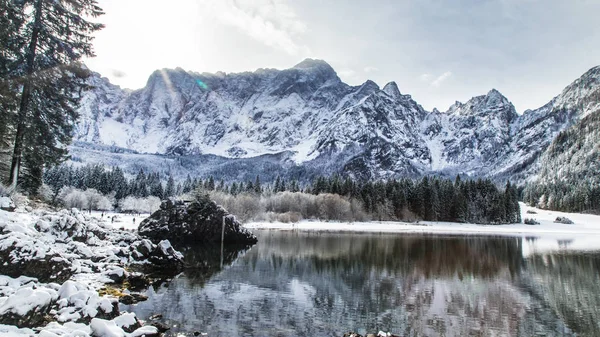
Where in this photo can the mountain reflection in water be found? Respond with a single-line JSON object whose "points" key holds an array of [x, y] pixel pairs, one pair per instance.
{"points": [[325, 284]]}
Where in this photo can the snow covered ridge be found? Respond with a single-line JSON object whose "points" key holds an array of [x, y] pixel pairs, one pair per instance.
{"points": [[69, 257], [310, 112]]}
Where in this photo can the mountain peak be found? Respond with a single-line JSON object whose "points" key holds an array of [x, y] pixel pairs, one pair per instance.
{"points": [[494, 92], [495, 99], [312, 63], [369, 87], [392, 89], [316, 69], [492, 102]]}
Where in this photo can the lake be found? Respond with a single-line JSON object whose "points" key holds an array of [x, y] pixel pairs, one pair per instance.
{"points": [[326, 284]]}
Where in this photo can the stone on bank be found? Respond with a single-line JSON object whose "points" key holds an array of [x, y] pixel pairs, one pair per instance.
{"points": [[196, 221]]}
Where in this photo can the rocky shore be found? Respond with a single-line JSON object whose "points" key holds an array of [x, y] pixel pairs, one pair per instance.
{"points": [[64, 273]]}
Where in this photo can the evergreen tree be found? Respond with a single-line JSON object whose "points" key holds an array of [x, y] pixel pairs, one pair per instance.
{"points": [[209, 184], [119, 183], [294, 186], [11, 23], [234, 189], [170, 188], [249, 186], [277, 185], [57, 35], [187, 185], [257, 186]]}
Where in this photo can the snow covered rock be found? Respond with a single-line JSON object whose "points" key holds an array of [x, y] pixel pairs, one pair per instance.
{"points": [[6, 204], [104, 328], [563, 220], [195, 221], [72, 256], [27, 306], [128, 322], [22, 258]]}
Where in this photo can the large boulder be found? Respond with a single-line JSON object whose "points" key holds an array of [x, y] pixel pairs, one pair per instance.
{"points": [[196, 221]]}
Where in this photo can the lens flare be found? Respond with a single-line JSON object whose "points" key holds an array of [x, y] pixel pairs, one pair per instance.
{"points": [[202, 84]]}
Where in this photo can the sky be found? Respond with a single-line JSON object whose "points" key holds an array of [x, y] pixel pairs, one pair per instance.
{"points": [[438, 51]]}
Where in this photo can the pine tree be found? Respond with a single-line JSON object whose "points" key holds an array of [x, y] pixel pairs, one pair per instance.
{"points": [[209, 184], [119, 183], [257, 186], [57, 35], [170, 188], [234, 189], [187, 185], [277, 185], [11, 22], [294, 186]]}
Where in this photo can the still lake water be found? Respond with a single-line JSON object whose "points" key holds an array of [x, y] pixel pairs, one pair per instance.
{"points": [[325, 284]]}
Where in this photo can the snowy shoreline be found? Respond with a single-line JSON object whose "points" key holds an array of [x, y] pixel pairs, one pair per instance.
{"points": [[584, 224], [548, 236]]}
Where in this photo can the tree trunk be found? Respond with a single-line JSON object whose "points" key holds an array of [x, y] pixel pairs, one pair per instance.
{"points": [[26, 93]]}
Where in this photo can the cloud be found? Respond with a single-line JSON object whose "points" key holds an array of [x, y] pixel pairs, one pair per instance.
{"points": [[118, 73], [438, 81], [425, 77], [370, 69], [346, 73], [271, 22]]}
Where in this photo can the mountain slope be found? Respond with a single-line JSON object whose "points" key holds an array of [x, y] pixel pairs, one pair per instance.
{"points": [[569, 178], [325, 124]]}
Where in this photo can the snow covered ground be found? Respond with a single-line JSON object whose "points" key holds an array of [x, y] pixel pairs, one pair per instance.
{"points": [[73, 254], [584, 234], [121, 220]]}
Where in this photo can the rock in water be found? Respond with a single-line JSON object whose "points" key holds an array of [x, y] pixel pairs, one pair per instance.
{"points": [[194, 221]]}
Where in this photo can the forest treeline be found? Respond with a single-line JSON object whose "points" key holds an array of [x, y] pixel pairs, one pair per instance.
{"points": [[327, 198], [566, 196], [569, 178]]}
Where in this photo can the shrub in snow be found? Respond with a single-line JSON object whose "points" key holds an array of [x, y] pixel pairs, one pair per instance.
{"points": [[530, 221], [139, 205], [529, 211], [248, 206], [563, 220], [72, 197], [90, 199], [45, 193]]}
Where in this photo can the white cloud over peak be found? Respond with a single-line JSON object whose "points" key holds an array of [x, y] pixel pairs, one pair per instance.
{"points": [[370, 69], [435, 81], [443, 77]]}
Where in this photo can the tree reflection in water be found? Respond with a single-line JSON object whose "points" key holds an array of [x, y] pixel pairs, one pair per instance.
{"points": [[323, 284]]}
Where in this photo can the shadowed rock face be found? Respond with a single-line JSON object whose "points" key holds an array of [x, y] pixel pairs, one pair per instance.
{"points": [[198, 221]]}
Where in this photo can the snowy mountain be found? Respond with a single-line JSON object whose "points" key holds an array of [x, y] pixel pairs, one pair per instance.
{"points": [[309, 118]]}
